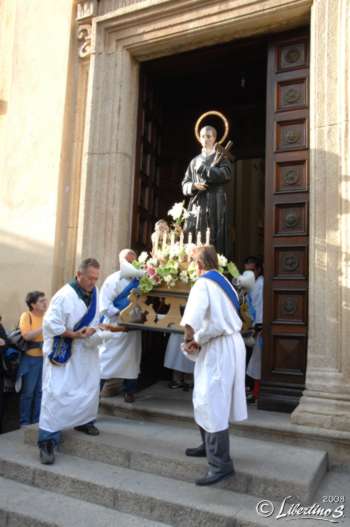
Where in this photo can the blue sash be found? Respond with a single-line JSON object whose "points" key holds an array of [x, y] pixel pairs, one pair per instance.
{"points": [[122, 301], [62, 346], [251, 308], [216, 277]]}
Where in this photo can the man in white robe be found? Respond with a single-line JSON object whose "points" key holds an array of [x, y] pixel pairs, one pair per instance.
{"points": [[120, 352], [213, 340], [255, 264], [70, 391]]}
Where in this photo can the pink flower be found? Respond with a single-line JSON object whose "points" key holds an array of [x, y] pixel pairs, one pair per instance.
{"points": [[151, 271]]}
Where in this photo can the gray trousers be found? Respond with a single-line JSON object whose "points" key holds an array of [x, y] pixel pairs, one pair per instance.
{"points": [[217, 447]]}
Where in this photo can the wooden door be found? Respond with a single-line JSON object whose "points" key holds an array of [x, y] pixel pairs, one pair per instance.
{"points": [[286, 224], [147, 175], [146, 210]]}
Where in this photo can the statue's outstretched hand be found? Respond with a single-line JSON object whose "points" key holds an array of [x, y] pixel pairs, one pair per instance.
{"points": [[200, 186]]}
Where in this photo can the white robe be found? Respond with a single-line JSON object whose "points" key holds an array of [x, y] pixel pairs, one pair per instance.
{"points": [[257, 296], [254, 365], [120, 353], [219, 373], [174, 359], [70, 392]]}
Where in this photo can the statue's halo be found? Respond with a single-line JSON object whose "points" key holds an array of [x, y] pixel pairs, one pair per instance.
{"points": [[218, 114]]}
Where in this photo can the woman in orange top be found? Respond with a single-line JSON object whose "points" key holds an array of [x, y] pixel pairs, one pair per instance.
{"points": [[31, 365]]}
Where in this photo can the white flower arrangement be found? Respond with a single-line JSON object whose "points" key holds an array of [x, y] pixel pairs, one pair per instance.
{"points": [[184, 277], [175, 250], [174, 265], [143, 257], [222, 260], [173, 262], [178, 212]]}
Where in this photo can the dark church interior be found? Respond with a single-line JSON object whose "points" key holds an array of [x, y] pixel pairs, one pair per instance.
{"points": [[174, 92]]}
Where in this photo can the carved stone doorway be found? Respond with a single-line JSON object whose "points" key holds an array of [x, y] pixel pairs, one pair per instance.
{"points": [[261, 203], [174, 92], [123, 42]]}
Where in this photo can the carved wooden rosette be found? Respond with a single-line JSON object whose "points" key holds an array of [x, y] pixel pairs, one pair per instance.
{"points": [[146, 317]]}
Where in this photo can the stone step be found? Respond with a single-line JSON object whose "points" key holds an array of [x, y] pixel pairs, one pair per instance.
{"points": [[147, 496], [262, 468], [158, 403], [25, 506]]}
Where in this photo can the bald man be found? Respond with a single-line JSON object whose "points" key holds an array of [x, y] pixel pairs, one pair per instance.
{"points": [[120, 352]]}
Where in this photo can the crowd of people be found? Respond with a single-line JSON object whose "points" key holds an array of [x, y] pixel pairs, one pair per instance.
{"points": [[74, 344]]}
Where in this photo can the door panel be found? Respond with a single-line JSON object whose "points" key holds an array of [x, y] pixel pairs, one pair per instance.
{"points": [[286, 224], [147, 178], [146, 208]]}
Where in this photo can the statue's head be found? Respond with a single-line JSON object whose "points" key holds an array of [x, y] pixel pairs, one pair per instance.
{"points": [[161, 226], [207, 137]]}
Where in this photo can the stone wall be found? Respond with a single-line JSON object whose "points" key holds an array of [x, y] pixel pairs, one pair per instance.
{"points": [[35, 43]]}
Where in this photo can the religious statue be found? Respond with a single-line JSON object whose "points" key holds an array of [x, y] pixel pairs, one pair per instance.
{"points": [[204, 181]]}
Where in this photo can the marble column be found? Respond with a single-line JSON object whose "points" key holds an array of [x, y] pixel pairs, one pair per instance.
{"points": [[326, 399]]}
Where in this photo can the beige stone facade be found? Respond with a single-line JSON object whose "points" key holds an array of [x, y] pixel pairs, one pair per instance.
{"points": [[34, 66], [68, 125]]}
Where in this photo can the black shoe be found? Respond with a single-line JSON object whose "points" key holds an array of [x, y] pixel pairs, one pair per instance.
{"points": [[210, 478], [250, 398], [89, 429], [174, 385], [47, 452], [196, 452], [129, 397]]}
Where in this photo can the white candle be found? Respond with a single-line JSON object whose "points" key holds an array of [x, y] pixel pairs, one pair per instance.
{"points": [[189, 237], [199, 238], [207, 240], [164, 241], [181, 240], [156, 242], [172, 238]]}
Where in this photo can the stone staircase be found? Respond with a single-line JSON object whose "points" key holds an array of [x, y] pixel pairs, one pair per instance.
{"points": [[135, 472], [159, 404], [23, 505]]}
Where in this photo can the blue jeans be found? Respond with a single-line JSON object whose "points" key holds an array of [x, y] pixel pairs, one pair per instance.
{"points": [[44, 435], [30, 369], [129, 385], [55, 437]]}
